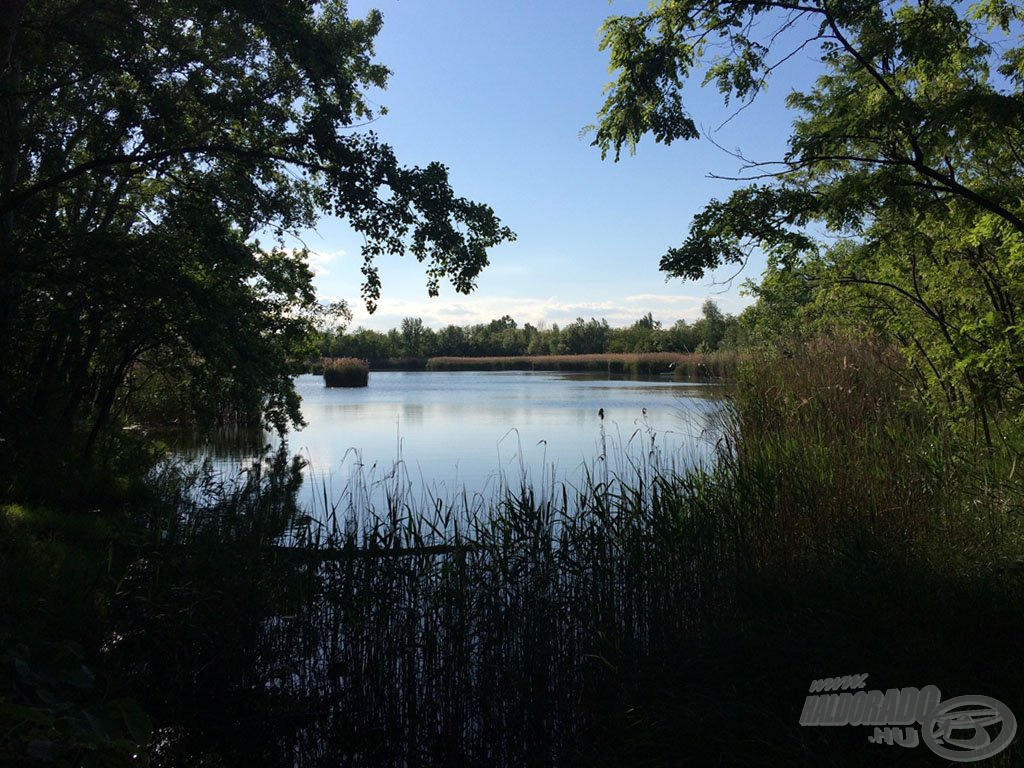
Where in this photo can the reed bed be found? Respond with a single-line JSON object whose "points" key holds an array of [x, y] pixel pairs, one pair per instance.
{"points": [[345, 372], [399, 364], [316, 367], [683, 366], [647, 614], [467, 629]]}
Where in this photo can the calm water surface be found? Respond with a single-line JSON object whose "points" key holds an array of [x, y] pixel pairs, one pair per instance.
{"points": [[436, 435]]}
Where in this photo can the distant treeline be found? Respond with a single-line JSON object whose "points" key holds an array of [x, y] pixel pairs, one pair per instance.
{"points": [[504, 337], [683, 366]]}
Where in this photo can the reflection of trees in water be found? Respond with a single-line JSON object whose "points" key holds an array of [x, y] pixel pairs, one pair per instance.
{"points": [[414, 413], [447, 635], [224, 443]]}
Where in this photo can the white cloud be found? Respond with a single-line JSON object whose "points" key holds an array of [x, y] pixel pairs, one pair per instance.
{"points": [[318, 260], [467, 310], [660, 298]]}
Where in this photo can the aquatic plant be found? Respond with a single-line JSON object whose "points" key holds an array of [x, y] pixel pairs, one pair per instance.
{"points": [[644, 612], [682, 366], [345, 372]]}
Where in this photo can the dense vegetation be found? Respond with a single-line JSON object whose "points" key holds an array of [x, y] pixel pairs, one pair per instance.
{"points": [[640, 615], [505, 337], [685, 367], [863, 513], [906, 155], [345, 372], [153, 161]]}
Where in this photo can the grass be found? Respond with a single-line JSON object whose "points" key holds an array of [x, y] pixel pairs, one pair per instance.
{"points": [[644, 616], [345, 372], [683, 366]]}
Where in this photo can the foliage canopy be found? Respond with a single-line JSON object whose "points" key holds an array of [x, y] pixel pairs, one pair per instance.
{"points": [[145, 148], [907, 153]]}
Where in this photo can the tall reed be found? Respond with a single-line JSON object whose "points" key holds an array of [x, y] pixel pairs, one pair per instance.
{"points": [[696, 365], [345, 372], [648, 614]]}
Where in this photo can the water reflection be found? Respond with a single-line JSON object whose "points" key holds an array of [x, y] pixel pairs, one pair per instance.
{"points": [[224, 445], [449, 432]]}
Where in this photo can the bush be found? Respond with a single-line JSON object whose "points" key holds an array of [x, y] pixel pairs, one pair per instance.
{"points": [[346, 372]]}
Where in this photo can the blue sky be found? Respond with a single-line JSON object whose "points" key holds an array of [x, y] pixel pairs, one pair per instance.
{"points": [[499, 90]]}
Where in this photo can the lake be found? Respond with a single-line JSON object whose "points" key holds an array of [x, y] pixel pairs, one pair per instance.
{"points": [[428, 436]]}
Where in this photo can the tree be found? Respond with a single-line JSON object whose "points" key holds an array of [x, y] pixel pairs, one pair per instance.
{"points": [[452, 341], [710, 328], [413, 334], [782, 311], [145, 149], [583, 337], [643, 336], [681, 337], [909, 151]]}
